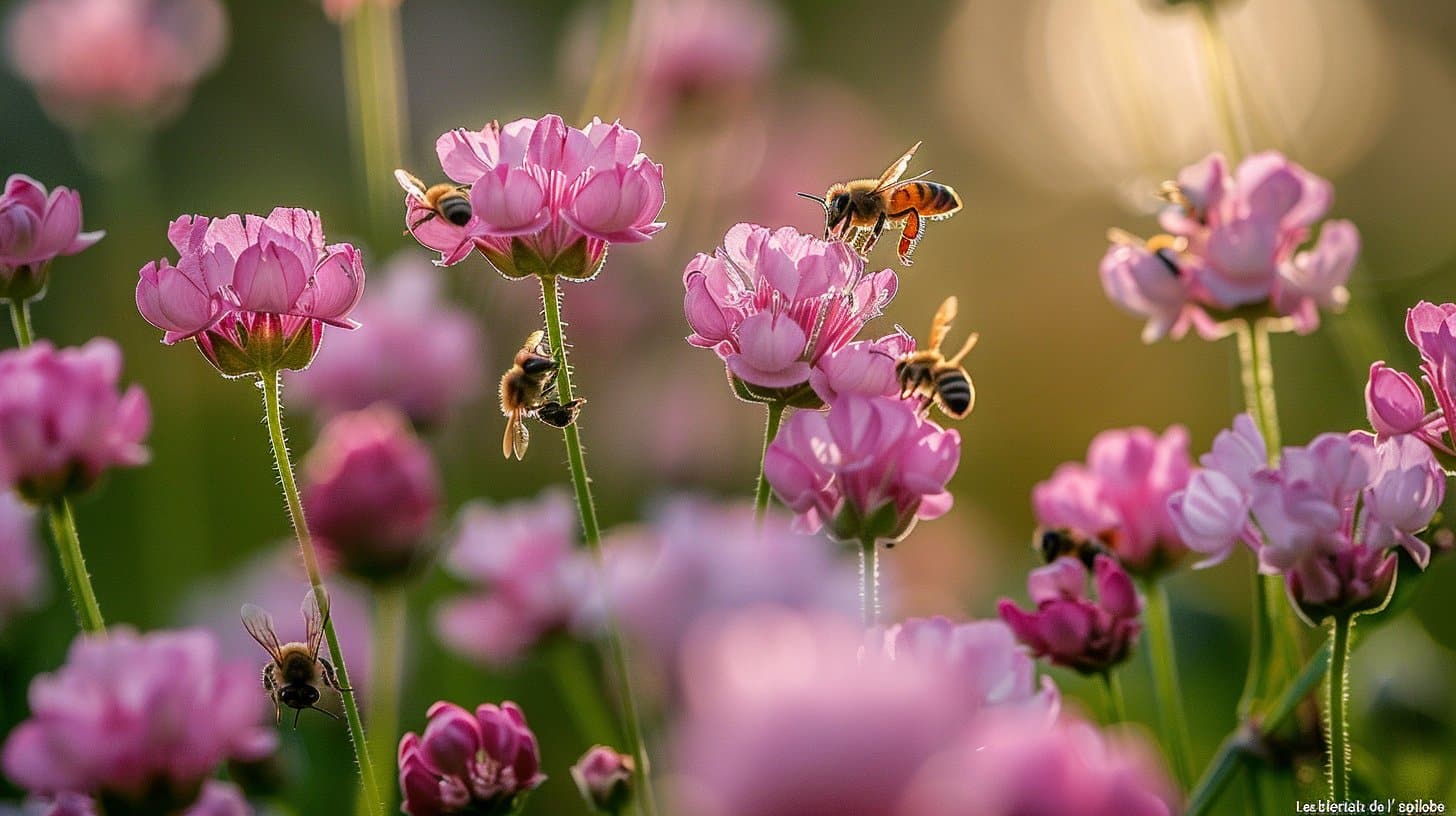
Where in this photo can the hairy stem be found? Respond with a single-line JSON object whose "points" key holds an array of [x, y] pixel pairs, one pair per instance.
{"points": [[20, 321], [1337, 695], [272, 387], [770, 430], [73, 567], [869, 581], [591, 532], [1165, 682]]}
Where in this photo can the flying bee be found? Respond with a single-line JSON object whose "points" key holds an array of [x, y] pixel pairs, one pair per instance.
{"points": [[925, 372], [448, 201], [295, 673], [528, 389], [856, 212], [1057, 543]]}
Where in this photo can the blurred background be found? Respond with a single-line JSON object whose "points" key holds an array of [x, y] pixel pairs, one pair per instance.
{"points": [[1055, 119]]}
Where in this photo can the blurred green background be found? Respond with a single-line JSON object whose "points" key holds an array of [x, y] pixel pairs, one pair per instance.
{"points": [[1055, 119]]}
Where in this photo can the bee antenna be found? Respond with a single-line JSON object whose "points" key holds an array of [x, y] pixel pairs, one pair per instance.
{"points": [[820, 201]]}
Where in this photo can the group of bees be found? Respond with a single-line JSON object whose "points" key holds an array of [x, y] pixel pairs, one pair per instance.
{"points": [[855, 212]]}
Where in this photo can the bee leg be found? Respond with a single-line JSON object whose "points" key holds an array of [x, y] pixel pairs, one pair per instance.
{"points": [[875, 231], [272, 689], [330, 678], [909, 237], [428, 217], [297, 712]]}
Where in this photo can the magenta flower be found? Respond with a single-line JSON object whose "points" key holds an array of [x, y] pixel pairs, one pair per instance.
{"points": [[253, 292], [371, 494], [1234, 244], [772, 303], [530, 574], [35, 228], [419, 354], [867, 469], [1395, 404], [138, 719], [604, 777], [1120, 497], [1015, 765], [481, 762], [62, 422], [136, 59], [546, 198], [22, 573], [1071, 629]]}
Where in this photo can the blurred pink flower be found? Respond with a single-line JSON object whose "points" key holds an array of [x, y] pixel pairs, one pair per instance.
{"points": [[988, 667], [1120, 497], [546, 198], [35, 228], [341, 10], [371, 493], [1071, 629], [93, 59], [22, 573], [479, 762], [604, 777], [419, 353], [255, 293], [868, 468], [771, 303], [528, 577], [144, 719], [1015, 765], [62, 422], [1233, 243]]}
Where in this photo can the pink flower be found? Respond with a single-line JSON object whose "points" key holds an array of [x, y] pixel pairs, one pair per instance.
{"points": [[255, 293], [137, 59], [1403, 496], [530, 576], [419, 353], [987, 665], [1120, 497], [341, 10], [604, 777], [372, 494], [546, 198], [1234, 242], [466, 762], [1212, 512], [772, 303], [867, 469], [144, 719], [62, 422], [35, 228], [1015, 765], [862, 367], [22, 572], [1394, 403], [1071, 629]]}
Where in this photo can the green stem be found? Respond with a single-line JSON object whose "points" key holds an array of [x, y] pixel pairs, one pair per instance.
{"points": [[1116, 707], [390, 613], [1165, 682], [73, 566], [869, 581], [1258, 648], [1216, 63], [608, 68], [20, 321], [1337, 695], [591, 532], [272, 387], [770, 430], [372, 84], [574, 679], [1256, 788], [1264, 376]]}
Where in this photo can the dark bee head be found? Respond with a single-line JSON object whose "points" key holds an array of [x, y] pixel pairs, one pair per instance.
{"points": [[298, 696], [837, 208], [456, 208]]}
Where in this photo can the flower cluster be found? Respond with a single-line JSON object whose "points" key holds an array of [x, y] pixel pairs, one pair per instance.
{"points": [[35, 228], [469, 762], [253, 292], [1233, 248], [1071, 629], [545, 198], [62, 422], [1326, 518], [1394, 402], [1119, 498], [139, 720]]}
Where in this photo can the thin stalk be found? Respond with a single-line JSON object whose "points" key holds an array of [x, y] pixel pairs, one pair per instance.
{"points": [[609, 65], [1256, 789], [1258, 647], [272, 387], [574, 677], [1165, 682], [1337, 695], [20, 321], [1264, 377], [1220, 84], [869, 581], [1116, 706], [73, 566], [390, 612], [591, 533], [770, 430], [372, 81]]}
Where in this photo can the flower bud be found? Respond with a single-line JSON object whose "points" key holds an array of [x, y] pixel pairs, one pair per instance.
{"points": [[1394, 403], [604, 778], [35, 227]]}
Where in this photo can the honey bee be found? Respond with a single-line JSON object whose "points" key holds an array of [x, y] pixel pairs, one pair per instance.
{"points": [[1058, 543], [448, 201], [856, 212], [1166, 248], [529, 389], [295, 673], [927, 373]]}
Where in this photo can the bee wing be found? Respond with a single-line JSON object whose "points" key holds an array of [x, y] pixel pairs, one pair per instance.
{"points": [[893, 173], [410, 183], [533, 340], [517, 437], [940, 324], [260, 625], [313, 619], [903, 182]]}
